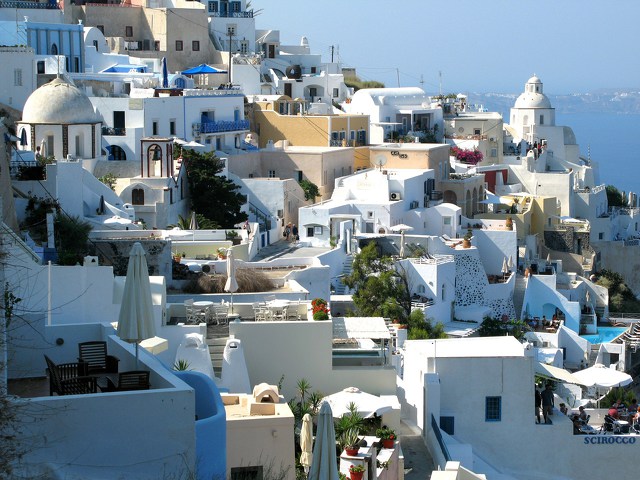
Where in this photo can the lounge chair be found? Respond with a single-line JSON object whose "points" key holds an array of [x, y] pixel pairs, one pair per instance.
{"points": [[132, 380], [95, 355], [70, 378]]}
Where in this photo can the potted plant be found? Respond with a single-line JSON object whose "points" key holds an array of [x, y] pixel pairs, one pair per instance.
{"points": [[356, 472], [222, 253], [350, 442], [466, 240], [509, 223], [233, 236], [387, 435]]}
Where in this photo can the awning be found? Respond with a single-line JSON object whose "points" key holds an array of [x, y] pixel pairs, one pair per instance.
{"points": [[360, 327], [556, 373]]}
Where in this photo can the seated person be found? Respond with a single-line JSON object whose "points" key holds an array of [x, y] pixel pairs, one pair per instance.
{"points": [[564, 409], [582, 415], [613, 410], [577, 426], [633, 406]]}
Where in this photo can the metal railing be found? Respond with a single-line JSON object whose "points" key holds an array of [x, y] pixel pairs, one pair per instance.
{"points": [[432, 260], [438, 434], [114, 131], [248, 14], [30, 5], [221, 126]]}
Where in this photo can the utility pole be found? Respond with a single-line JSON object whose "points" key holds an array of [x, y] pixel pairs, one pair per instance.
{"points": [[440, 75], [332, 47], [398, 75]]}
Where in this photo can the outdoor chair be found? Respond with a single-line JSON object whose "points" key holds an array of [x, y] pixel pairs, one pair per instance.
{"points": [[221, 314], [195, 315], [69, 378], [132, 380], [95, 355]]}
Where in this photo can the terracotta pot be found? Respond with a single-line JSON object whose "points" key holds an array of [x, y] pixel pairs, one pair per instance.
{"points": [[352, 452], [388, 443], [356, 475], [466, 243]]}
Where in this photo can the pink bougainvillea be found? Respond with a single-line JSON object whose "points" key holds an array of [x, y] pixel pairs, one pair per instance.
{"points": [[465, 155]]}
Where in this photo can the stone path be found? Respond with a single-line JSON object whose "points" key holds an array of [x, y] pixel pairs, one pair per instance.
{"points": [[418, 463]]}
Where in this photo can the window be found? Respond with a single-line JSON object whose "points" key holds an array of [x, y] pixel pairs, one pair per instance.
{"points": [[156, 45], [154, 127], [300, 175], [137, 196], [244, 47], [178, 45], [54, 49], [493, 409], [336, 92], [313, 70], [95, 44], [272, 174], [17, 77], [601, 236], [101, 28], [213, 7], [476, 131], [447, 425], [541, 119], [421, 288], [40, 67], [309, 231], [446, 220], [494, 152], [172, 127], [76, 64], [128, 31], [247, 473], [313, 92], [195, 45]]}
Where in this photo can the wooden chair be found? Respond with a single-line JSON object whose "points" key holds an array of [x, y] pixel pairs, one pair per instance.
{"points": [[221, 313], [95, 355], [195, 316], [132, 380], [70, 378]]}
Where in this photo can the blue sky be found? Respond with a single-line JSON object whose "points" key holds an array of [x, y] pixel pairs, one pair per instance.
{"points": [[478, 45]]}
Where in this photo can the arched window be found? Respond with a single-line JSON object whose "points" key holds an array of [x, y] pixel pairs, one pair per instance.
{"points": [[118, 153], [421, 289], [154, 152], [179, 82], [54, 49], [137, 196]]}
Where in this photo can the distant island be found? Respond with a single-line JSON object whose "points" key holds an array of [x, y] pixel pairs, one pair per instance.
{"points": [[621, 101]]}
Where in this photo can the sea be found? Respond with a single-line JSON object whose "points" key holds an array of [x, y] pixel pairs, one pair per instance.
{"points": [[611, 140]]}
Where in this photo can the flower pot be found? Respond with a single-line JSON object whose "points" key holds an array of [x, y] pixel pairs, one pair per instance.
{"points": [[388, 443], [352, 451], [356, 475], [466, 243]]}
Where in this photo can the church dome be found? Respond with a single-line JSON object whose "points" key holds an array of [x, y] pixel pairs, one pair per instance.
{"points": [[533, 96], [58, 102]]}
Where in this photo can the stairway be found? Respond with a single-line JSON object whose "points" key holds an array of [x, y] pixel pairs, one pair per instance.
{"points": [[518, 293], [347, 268], [217, 336]]}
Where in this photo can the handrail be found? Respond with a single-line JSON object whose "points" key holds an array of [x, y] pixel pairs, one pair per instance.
{"points": [[438, 434]]}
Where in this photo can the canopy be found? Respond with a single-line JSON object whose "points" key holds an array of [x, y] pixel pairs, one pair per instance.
{"points": [[360, 327], [601, 376], [560, 374], [366, 403], [401, 227], [201, 69]]}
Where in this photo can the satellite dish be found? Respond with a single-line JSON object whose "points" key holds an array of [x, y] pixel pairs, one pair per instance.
{"points": [[380, 161]]}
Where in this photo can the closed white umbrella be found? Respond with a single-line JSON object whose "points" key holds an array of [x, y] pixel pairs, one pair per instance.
{"points": [[193, 223], [505, 267], [510, 262], [135, 322], [231, 285], [325, 461], [306, 442]]}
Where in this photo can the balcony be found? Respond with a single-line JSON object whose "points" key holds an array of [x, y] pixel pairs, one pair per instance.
{"points": [[435, 195], [220, 127], [33, 5], [112, 131], [248, 14]]}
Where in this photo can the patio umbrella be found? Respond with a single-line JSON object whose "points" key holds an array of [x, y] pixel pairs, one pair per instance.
{"points": [[202, 69], [193, 224], [135, 322], [231, 284], [401, 228], [165, 73], [306, 442], [604, 377], [325, 462], [510, 262], [366, 404]]}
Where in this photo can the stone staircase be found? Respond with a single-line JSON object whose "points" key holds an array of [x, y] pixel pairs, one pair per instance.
{"points": [[217, 336], [347, 268], [518, 293]]}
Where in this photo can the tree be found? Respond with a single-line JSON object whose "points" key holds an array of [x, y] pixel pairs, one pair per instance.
{"points": [[310, 189], [421, 328], [213, 196], [494, 327], [615, 197], [380, 288], [621, 298], [71, 237], [109, 180]]}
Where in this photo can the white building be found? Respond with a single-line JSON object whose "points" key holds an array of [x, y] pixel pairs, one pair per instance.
{"points": [[396, 112]]}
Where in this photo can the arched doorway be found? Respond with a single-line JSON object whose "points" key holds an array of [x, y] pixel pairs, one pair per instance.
{"points": [[117, 153], [468, 206], [449, 196], [474, 202]]}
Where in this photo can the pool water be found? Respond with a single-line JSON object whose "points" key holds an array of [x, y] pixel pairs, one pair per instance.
{"points": [[604, 335]]}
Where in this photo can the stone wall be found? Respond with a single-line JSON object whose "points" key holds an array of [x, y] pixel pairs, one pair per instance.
{"points": [[115, 252]]}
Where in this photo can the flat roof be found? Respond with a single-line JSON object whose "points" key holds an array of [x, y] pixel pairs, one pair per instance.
{"points": [[360, 327], [473, 347]]}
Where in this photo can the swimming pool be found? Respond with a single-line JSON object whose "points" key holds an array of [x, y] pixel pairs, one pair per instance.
{"points": [[605, 334]]}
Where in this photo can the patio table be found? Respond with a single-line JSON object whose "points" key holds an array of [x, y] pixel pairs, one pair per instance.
{"points": [[205, 306]]}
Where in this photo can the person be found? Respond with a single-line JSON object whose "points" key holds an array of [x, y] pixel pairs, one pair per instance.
{"points": [[613, 410], [544, 322], [564, 409], [294, 233], [287, 231], [633, 406], [582, 415], [547, 403], [538, 405], [577, 425]]}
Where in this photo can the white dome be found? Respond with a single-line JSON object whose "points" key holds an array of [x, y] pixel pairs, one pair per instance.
{"points": [[534, 79], [58, 102], [532, 100]]}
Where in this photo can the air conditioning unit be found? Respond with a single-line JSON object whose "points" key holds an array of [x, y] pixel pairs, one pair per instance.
{"points": [[394, 196], [492, 139]]}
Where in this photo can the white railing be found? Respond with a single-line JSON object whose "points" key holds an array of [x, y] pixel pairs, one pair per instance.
{"points": [[432, 260]]}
